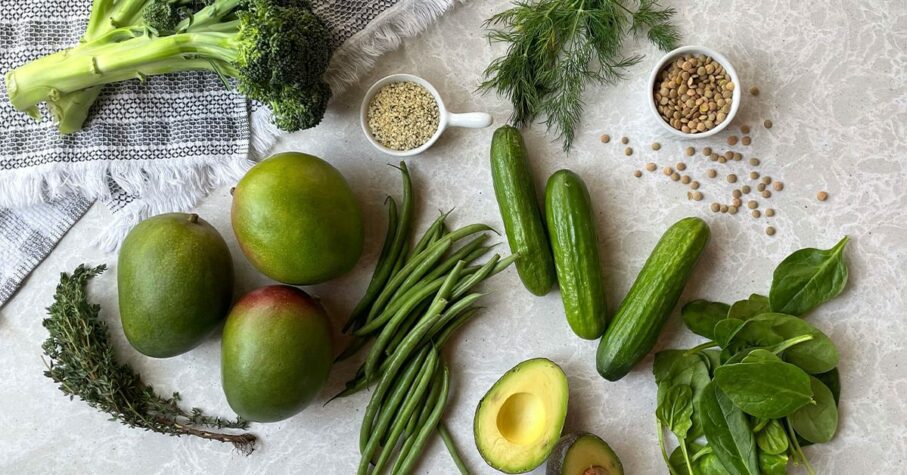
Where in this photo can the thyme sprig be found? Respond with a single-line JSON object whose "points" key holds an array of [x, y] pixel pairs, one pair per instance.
{"points": [[556, 46], [81, 360]]}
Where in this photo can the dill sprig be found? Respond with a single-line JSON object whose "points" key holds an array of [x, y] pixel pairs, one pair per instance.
{"points": [[81, 360], [556, 46]]}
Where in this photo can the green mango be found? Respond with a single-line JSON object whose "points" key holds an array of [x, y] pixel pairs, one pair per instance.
{"points": [[296, 219], [175, 283], [276, 353]]}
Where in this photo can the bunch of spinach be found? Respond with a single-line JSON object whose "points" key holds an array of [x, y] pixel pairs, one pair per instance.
{"points": [[764, 385]]}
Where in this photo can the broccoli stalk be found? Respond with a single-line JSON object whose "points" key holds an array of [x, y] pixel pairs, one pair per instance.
{"points": [[276, 50]]}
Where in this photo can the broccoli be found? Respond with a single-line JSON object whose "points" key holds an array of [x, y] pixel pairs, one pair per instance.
{"points": [[276, 51]]}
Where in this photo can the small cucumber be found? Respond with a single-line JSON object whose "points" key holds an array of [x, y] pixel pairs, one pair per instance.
{"points": [[649, 302], [575, 248], [515, 192]]}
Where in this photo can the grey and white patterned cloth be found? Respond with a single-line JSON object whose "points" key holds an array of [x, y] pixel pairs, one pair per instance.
{"points": [[150, 147]]}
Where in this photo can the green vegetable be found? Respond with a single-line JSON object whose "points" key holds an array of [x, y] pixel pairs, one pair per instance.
{"points": [[78, 340], [700, 316], [649, 302], [817, 355], [807, 278], [408, 460], [704, 462], [515, 192], [574, 244], [817, 422], [832, 381], [773, 464], [683, 369], [749, 308], [276, 50], [728, 432], [766, 389], [675, 412], [555, 46], [772, 439]]}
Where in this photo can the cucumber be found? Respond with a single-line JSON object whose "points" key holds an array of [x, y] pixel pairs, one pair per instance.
{"points": [[515, 192], [649, 302], [575, 249]]}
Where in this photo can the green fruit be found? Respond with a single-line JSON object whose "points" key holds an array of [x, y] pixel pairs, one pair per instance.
{"points": [[575, 247], [296, 219], [520, 419], [583, 454], [520, 211], [175, 283], [276, 353], [649, 302]]}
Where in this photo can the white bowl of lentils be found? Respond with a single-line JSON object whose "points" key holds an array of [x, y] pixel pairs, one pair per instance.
{"points": [[403, 115], [694, 92]]}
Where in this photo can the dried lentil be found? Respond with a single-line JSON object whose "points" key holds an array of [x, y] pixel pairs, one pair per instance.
{"points": [[754, 91], [668, 171], [746, 140], [766, 194], [694, 185], [778, 186], [681, 166], [732, 140], [754, 175], [752, 204], [605, 138], [744, 129], [822, 196], [624, 140], [637, 173], [651, 167], [745, 189], [767, 124], [693, 93], [732, 178], [707, 151], [770, 231], [770, 212], [715, 207], [711, 173], [754, 162], [691, 151], [628, 151], [756, 213], [675, 176], [656, 146]]}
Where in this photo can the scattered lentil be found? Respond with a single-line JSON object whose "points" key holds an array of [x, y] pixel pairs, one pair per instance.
{"points": [[681, 166], [691, 151], [732, 209], [729, 154], [732, 178], [744, 129], [745, 189], [778, 186], [732, 140], [651, 166], [738, 156], [767, 179], [754, 175], [624, 140], [403, 116], [628, 151], [822, 196], [736, 202], [637, 173], [685, 179], [707, 151], [766, 194], [605, 138], [770, 231], [721, 159], [668, 171], [713, 157], [715, 207], [754, 91], [760, 187], [746, 140], [770, 212], [694, 185], [767, 124], [754, 162], [656, 146], [697, 195], [756, 213], [711, 173], [675, 176], [723, 208], [752, 204], [736, 193]]}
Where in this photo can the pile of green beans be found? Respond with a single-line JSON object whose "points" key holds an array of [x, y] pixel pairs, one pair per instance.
{"points": [[416, 300]]}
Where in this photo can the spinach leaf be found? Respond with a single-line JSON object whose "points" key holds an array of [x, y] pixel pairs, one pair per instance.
{"points": [[832, 380], [772, 439], [817, 422], [713, 357], [766, 389], [726, 329], [749, 308], [817, 355], [753, 333], [807, 278], [773, 464], [676, 411], [664, 360], [691, 370], [705, 464], [700, 316], [728, 432]]}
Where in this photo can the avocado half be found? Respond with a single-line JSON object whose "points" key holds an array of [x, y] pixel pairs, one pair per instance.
{"points": [[583, 454], [520, 419]]}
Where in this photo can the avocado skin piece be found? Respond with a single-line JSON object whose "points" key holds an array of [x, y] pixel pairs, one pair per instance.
{"points": [[576, 452], [276, 353], [296, 219], [175, 283], [538, 383]]}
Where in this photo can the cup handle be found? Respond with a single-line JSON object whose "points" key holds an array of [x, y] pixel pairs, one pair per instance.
{"points": [[472, 120]]}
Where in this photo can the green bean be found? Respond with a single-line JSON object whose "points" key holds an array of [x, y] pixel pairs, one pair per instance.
{"points": [[404, 328], [409, 343], [452, 449], [449, 282], [426, 374], [446, 333], [486, 270], [382, 269], [378, 405], [432, 234], [408, 302], [459, 255], [452, 312], [377, 349], [417, 267], [417, 420], [355, 345], [409, 459]]}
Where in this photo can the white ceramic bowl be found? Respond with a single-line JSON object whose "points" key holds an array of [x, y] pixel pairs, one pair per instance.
{"points": [[473, 120], [718, 57]]}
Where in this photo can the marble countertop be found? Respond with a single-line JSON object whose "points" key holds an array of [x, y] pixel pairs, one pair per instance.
{"points": [[832, 79]]}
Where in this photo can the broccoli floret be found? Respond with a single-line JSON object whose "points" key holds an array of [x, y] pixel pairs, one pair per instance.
{"points": [[276, 50]]}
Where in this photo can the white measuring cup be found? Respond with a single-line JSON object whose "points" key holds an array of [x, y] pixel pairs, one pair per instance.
{"points": [[472, 120]]}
